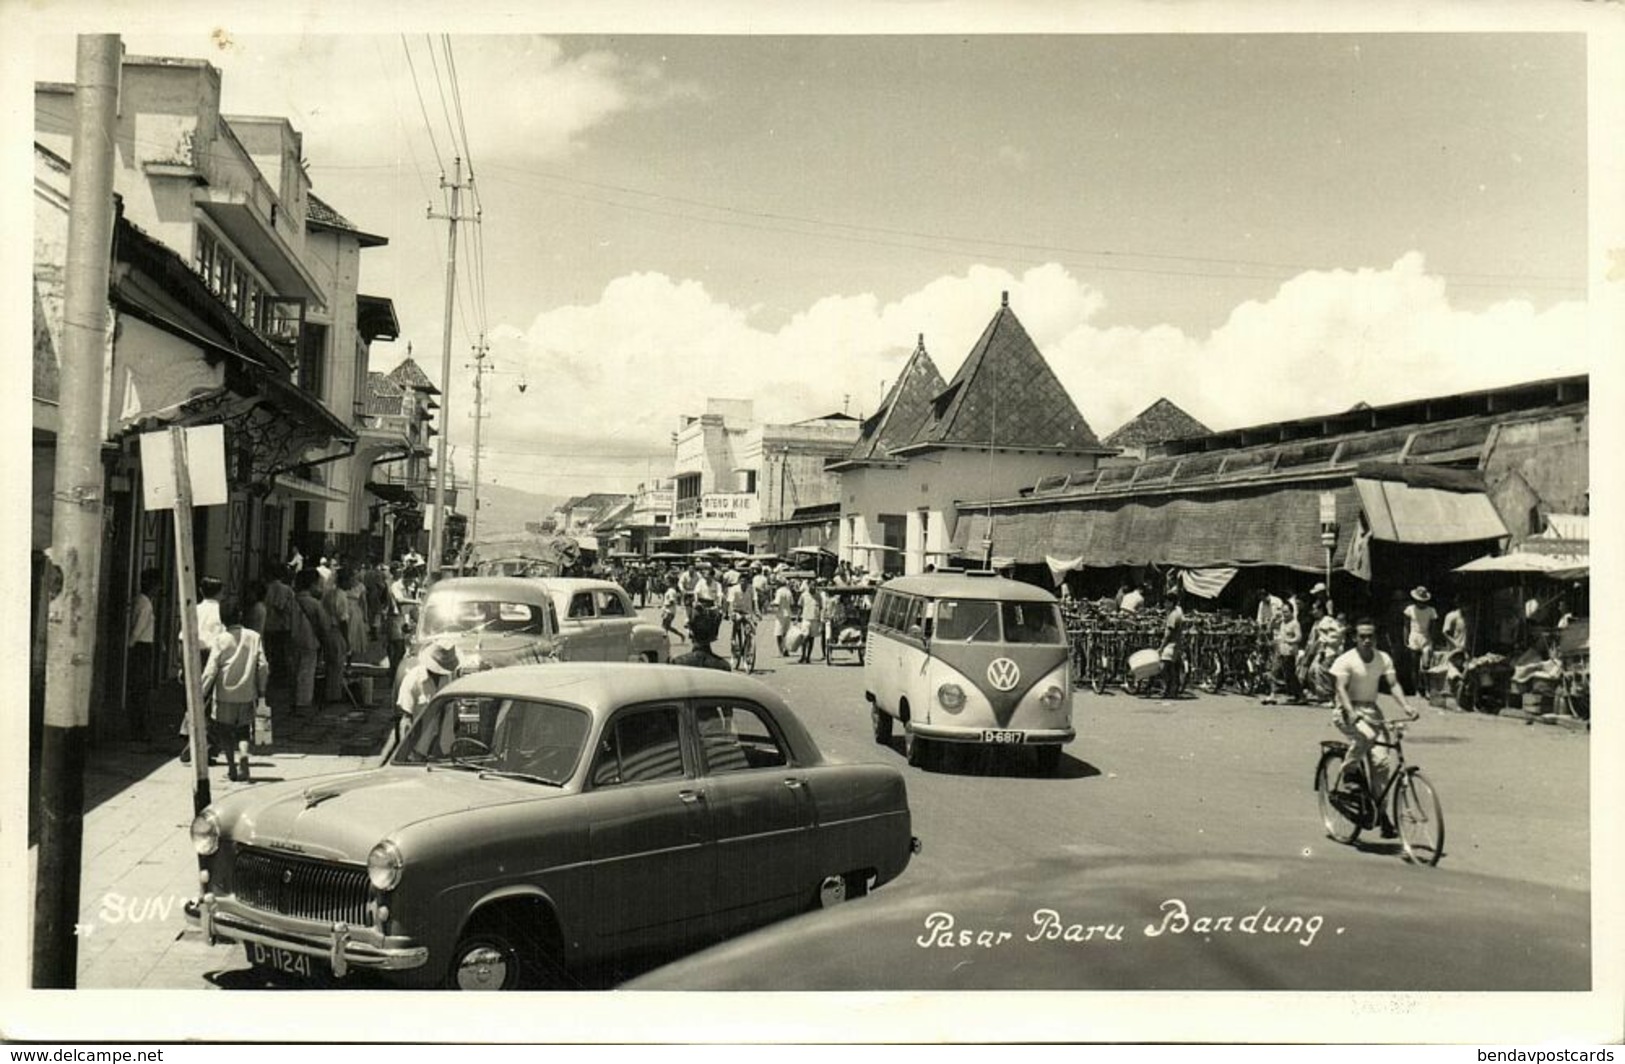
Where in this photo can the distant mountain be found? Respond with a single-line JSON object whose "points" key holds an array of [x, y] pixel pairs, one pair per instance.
{"points": [[504, 510]]}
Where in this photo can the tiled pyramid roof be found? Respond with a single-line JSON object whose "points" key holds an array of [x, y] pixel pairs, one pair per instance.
{"points": [[1005, 394], [1158, 423], [410, 375], [905, 408]]}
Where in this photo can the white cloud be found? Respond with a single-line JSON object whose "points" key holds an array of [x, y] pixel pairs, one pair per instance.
{"points": [[368, 85], [616, 375]]}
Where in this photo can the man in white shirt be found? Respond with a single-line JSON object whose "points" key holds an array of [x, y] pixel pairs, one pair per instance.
{"points": [[1419, 618], [1133, 600], [1359, 674]]}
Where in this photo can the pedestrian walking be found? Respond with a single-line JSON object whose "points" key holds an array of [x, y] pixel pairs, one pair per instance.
{"points": [[141, 654], [312, 633], [236, 678], [783, 607], [278, 625], [254, 612], [1419, 619], [209, 630], [811, 619], [434, 667], [702, 632]]}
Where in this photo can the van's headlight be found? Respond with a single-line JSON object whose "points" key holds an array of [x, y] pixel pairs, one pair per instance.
{"points": [[384, 866], [206, 833], [1053, 698], [952, 697]]}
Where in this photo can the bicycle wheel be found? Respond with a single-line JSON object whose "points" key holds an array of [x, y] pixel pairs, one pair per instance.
{"points": [[1419, 818], [1328, 779]]}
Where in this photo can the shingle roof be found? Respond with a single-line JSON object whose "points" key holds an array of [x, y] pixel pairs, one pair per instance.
{"points": [[317, 212], [1005, 395], [410, 375], [906, 407], [1158, 423], [384, 397]]}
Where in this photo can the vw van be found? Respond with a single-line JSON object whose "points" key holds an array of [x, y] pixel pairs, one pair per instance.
{"points": [[968, 658]]}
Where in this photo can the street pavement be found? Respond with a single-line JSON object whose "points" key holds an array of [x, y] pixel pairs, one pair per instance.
{"points": [[1209, 774]]}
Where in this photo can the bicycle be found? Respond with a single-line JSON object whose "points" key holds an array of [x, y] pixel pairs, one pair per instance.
{"points": [[1347, 806], [743, 641]]}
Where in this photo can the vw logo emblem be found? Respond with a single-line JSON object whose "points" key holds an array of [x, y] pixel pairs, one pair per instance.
{"points": [[1003, 674]]}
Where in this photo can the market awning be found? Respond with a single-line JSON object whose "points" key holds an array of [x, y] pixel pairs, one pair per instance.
{"points": [[1549, 566], [1280, 526], [1401, 513]]}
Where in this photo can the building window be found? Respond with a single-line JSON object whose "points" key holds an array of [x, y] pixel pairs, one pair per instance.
{"points": [[313, 359]]}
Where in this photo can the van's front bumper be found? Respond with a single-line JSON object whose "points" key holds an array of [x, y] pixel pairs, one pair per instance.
{"points": [[949, 733], [343, 946]]}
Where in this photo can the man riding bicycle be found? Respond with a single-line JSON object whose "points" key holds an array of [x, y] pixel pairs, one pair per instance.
{"points": [[1359, 674]]}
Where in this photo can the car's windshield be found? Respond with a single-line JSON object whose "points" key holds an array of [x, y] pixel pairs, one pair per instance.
{"points": [[980, 621], [1032, 622], [453, 611], [541, 740], [967, 621]]}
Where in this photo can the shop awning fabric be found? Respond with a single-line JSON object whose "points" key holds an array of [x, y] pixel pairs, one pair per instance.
{"points": [[1401, 513], [1278, 526], [1195, 531]]}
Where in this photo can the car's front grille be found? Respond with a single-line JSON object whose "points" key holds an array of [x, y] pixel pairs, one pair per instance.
{"points": [[299, 886]]}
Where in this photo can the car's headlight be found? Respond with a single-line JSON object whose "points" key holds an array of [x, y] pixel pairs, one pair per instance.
{"points": [[1053, 698], [206, 833], [952, 697], [384, 865]]}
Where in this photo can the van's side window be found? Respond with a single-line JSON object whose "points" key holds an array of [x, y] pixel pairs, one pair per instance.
{"points": [[896, 611], [877, 619], [911, 616]]}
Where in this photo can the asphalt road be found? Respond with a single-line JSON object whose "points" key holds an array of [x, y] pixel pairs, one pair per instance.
{"points": [[1216, 776], [1205, 777]]}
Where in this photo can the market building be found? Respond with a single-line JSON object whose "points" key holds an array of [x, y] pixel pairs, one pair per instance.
{"points": [[1004, 422], [1374, 500]]}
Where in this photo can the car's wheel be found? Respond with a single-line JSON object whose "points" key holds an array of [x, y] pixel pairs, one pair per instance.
{"points": [[486, 959], [881, 722]]}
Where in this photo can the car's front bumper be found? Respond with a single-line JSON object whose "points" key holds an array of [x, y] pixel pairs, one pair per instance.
{"points": [[343, 946]]}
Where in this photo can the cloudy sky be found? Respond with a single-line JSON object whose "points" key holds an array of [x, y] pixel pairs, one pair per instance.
{"points": [[1254, 225]]}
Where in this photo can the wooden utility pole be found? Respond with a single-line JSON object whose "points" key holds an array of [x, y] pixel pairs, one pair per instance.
{"points": [[76, 515], [479, 419], [437, 535]]}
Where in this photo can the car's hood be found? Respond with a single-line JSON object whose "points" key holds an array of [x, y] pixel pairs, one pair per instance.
{"points": [[343, 817], [1303, 924]]}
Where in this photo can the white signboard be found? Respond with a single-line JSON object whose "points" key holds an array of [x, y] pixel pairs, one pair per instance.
{"points": [[205, 464]]}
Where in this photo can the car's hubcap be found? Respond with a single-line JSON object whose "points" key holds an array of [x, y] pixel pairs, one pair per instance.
{"points": [[832, 891], [482, 968]]}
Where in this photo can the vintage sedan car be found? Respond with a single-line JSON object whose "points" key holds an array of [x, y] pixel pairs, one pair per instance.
{"points": [[537, 820], [493, 621]]}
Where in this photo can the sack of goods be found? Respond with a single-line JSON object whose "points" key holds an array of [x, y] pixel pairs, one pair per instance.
{"points": [[262, 727], [1144, 664], [797, 636]]}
